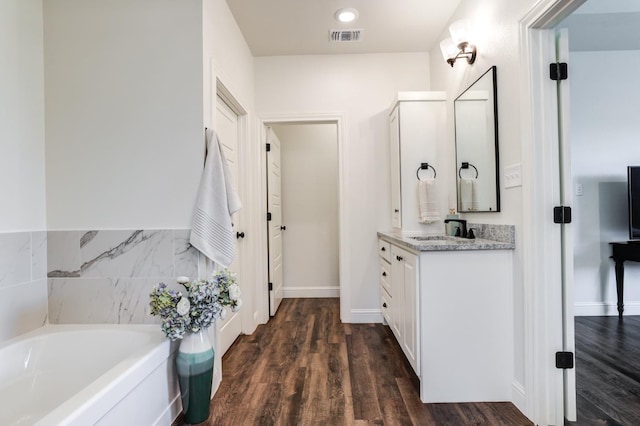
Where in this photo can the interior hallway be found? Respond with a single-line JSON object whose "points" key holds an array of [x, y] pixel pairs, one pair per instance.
{"points": [[306, 368]]}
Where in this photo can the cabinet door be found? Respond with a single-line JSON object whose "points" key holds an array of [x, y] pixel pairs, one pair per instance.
{"points": [[397, 293], [410, 342], [396, 200]]}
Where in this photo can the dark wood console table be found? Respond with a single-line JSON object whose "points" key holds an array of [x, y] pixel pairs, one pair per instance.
{"points": [[622, 251]]}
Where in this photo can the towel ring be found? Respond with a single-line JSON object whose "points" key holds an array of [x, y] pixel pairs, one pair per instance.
{"points": [[466, 165], [425, 166]]}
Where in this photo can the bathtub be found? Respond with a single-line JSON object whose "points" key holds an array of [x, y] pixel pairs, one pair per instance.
{"points": [[88, 374]]}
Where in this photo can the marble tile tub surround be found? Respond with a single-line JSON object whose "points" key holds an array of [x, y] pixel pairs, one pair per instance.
{"points": [[104, 276], [23, 282]]}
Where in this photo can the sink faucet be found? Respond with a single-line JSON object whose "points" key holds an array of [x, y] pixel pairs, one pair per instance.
{"points": [[463, 226]]}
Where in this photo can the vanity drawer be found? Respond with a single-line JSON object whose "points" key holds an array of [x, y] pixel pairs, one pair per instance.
{"points": [[385, 305], [384, 249], [385, 275]]}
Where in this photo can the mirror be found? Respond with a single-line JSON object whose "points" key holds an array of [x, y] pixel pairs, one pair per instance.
{"points": [[476, 125]]}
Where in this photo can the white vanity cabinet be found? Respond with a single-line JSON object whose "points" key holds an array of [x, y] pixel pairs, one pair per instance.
{"points": [[450, 309], [417, 126], [384, 249], [399, 298], [405, 325]]}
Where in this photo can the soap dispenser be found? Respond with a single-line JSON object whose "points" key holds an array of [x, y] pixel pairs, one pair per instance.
{"points": [[452, 228]]}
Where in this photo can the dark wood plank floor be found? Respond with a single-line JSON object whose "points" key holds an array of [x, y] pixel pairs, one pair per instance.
{"points": [[306, 368], [608, 370]]}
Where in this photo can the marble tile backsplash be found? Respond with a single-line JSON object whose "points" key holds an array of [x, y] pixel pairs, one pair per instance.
{"points": [[23, 282], [104, 276]]}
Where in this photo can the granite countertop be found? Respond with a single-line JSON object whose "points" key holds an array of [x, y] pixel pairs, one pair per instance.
{"points": [[490, 237]]}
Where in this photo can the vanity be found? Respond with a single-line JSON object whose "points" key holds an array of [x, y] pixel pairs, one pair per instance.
{"points": [[448, 302], [448, 299]]}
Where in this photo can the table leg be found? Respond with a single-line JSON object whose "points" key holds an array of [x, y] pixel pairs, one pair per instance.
{"points": [[620, 286]]}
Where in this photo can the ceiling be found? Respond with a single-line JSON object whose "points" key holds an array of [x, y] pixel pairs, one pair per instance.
{"points": [[301, 27]]}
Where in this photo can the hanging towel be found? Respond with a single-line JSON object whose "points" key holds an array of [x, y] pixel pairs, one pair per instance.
{"points": [[211, 230], [468, 194], [428, 209]]}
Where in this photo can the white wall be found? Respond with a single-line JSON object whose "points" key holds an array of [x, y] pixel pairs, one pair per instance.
{"points": [[23, 287], [309, 154], [22, 189], [604, 141], [497, 40], [363, 88], [124, 120]]}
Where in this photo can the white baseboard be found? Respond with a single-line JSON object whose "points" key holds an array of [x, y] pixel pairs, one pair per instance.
{"points": [[519, 397], [365, 316], [311, 292], [591, 309]]}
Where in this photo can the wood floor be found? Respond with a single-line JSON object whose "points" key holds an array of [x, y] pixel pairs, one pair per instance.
{"points": [[608, 370], [306, 368]]}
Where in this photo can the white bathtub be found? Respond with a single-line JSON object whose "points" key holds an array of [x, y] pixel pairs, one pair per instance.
{"points": [[88, 374]]}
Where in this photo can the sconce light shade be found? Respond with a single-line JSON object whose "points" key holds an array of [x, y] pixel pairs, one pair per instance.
{"points": [[458, 45], [449, 50], [459, 31]]}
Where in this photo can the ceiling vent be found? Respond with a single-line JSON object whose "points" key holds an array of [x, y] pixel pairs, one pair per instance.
{"points": [[337, 36]]}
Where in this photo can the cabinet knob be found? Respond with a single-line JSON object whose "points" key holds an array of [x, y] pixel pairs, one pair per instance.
{"points": [[384, 274], [399, 258], [384, 305], [383, 249], [396, 211], [239, 235]]}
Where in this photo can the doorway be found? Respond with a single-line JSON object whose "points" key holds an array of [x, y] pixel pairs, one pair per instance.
{"points": [[302, 194], [315, 248]]}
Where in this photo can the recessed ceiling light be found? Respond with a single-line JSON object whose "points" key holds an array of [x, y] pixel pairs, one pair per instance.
{"points": [[346, 15]]}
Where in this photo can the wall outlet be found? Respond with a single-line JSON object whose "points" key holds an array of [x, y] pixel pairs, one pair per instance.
{"points": [[513, 176], [579, 190]]}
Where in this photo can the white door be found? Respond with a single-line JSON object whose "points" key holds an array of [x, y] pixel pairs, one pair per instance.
{"points": [[394, 153], [566, 230], [274, 225], [227, 128]]}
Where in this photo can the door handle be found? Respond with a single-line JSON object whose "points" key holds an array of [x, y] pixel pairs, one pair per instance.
{"points": [[283, 228], [239, 235]]}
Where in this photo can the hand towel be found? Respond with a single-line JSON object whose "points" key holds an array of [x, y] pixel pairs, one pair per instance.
{"points": [[468, 194], [428, 209], [211, 230]]}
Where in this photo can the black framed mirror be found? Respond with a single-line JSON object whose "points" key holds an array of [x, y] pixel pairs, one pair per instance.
{"points": [[476, 135]]}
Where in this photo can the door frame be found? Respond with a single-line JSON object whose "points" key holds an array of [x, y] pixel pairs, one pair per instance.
{"points": [[344, 246], [543, 394]]}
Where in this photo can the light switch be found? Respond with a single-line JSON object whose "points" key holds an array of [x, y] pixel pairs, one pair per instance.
{"points": [[579, 190], [513, 176]]}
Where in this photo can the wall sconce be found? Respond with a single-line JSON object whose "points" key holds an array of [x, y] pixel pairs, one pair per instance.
{"points": [[458, 45]]}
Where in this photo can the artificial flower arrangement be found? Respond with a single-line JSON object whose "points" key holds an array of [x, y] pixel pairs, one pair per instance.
{"points": [[203, 302]]}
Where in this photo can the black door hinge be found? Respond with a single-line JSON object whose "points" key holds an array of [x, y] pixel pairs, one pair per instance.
{"points": [[268, 147], [268, 216], [562, 214], [270, 286], [558, 71], [564, 360]]}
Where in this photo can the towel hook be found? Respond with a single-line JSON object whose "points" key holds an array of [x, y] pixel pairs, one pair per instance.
{"points": [[466, 165], [425, 166]]}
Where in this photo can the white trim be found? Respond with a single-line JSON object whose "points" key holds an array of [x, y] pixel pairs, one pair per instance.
{"points": [[292, 292], [592, 309], [542, 313], [518, 395], [365, 316], [343, 200]]}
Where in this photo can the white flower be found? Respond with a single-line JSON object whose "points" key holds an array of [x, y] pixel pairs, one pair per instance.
{"points": [[238, 306], [182, 280], [234, 292], [223, 314], [183, 306]]}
